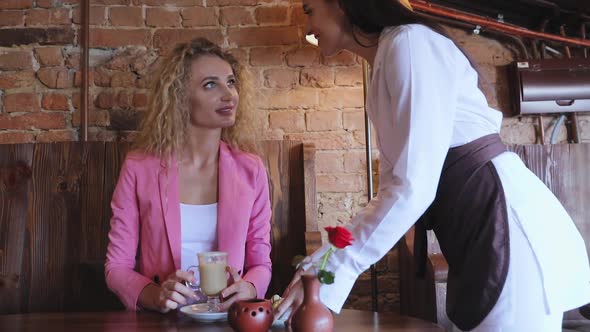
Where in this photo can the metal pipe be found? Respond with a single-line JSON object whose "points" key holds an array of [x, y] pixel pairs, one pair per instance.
{"points": [[573, 132], [541, 130], [85, 68], [583, 32], [568, 53], [491, 24], [469, 26], [370, 191]]}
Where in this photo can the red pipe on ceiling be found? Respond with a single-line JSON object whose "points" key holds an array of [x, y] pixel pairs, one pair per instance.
{"points": [[489, 23]]}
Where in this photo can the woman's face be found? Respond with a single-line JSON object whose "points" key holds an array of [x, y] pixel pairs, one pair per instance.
{"points": [[328, 23], [213, 95]]}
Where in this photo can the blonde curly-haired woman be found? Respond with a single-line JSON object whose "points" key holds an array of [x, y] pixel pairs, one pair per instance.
{"points": [[192, 184]]}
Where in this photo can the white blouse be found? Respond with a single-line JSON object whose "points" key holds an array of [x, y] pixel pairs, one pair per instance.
{"points": [[198, 232], [423, 99]]}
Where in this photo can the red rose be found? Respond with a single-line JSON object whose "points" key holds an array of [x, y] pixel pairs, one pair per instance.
{"points": [[339, 237]]}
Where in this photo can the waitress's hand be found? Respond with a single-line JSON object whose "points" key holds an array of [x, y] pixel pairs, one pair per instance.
{"points": [[170, 295], [238, 290], [292, 298]]}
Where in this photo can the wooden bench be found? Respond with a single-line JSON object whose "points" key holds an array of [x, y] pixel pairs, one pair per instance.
{"points": [[563, 168], [55, 213]]}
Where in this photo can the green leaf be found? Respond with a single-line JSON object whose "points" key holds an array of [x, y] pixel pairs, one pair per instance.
{"points": [[326, 277]]}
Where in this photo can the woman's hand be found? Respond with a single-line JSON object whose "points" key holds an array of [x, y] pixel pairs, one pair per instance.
{"points": [[292, 297], [238, 290], [170, 295]]}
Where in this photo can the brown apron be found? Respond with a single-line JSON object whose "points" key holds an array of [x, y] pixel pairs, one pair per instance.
{"points": [[470, 221]]}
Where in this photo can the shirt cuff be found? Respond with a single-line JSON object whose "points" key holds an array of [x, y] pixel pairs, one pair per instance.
{"points": [[334, 295]]}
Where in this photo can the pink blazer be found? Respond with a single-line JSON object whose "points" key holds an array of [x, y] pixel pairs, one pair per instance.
{"points": [[146, 222]]}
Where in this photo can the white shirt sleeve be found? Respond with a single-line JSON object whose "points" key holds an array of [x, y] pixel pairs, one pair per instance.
{"points": [[413, 113]]}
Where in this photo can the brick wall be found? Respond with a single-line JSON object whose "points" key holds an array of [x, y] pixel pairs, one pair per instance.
{"points": [[306, 96]]}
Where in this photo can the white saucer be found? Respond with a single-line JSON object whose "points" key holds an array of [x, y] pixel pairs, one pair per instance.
{"points": [[200, 313]]}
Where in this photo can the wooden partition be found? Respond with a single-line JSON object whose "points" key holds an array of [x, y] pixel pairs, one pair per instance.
{"points": [[55, 212]]}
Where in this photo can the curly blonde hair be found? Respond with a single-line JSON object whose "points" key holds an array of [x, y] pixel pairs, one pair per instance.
{"points": [[164, 128]]}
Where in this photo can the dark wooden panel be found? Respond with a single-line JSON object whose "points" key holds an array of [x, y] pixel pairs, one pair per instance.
{"points": [[284, 161], [54, 224], [13, 226]]}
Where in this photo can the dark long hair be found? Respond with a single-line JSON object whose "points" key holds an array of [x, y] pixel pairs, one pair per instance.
{"points": [[372, 16]]}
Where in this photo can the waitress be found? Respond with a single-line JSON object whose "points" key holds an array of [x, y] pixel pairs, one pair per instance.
{"points": [[444, 167]]}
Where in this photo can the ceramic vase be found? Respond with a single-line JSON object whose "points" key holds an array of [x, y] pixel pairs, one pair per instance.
{"points": [[312, 315]]}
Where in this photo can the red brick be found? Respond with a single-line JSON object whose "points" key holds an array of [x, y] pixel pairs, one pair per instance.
{"points": [[199, 16], [106, 2], [125, 79], [56, 77], [176, 3], [271, 15], [240, 54], [350, 76], [231, 16], [12, 18], [45, 3], [54, 16], [166, 39], [354, 120], [55, 102], [281, 78], [342, 98], [291, 99], [329, 162], [42, 35], [339, 183], [125, 99], [102, 77], [126, 16], [17, 79], [49, 56], [291, 121], [342, 58], [78, 78], [105, 100], [59, 16], [97, 15], [232, 2], [16, 4], [298, 17], [39, 120], [317, 77], [140, 100], [267, 56], [303, 57], [263, 36], [57, 136], [95, 118], [16, 137], [16, 61], [73, 60], [117, 37], [21, 102], [37, 17], [355, 161], [161, 17], [323, 120]]}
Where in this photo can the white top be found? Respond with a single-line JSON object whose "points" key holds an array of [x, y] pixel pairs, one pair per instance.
{"points": [[198, 232], [423, 99]]}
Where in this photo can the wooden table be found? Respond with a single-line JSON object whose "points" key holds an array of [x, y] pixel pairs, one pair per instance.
{"points": [[348, 320]]}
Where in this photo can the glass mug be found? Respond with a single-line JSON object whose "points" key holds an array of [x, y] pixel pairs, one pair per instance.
{"points": [[212, 276]]}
